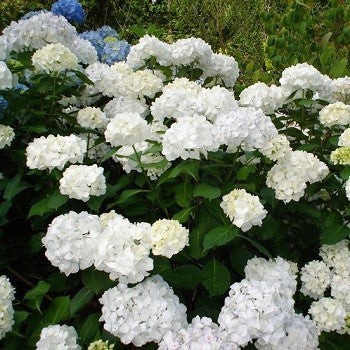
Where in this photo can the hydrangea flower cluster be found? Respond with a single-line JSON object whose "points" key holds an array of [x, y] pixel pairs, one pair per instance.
{"points": [[243, 209], [7, 296], [58, 337], [70, 9], [83, 181], [55, 151], [7, 80], [143, 313], [329, 313], [92, 118], [6, 136], [100, 345], [289, 176], [336, 113]]}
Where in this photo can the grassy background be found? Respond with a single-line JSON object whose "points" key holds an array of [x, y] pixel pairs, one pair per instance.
{"points": [[264, 36]]}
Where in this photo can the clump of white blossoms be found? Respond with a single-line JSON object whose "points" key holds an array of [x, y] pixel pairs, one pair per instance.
{"points": [[341, 89], [329, 314], [55, 151], [83, 181], [68, 243], [100, 345], [58, 337], [168, 237], [289, 176], [347, 189], [7, 296], [344, 139], [336, 113], [277, 148], [123, 249], [6, 136], [341, 155], [143, 313], [189, 138], [245, 127], [54, 58], [304, 76], [316, 278], [6, 78], [92, 118], [125, 104], [202, 333], [259, 95], [243, 209], [125, 129]]}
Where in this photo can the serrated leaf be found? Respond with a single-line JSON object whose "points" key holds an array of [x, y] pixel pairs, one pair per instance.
{"points": [[334, 234], [219, 236], [339, 67], [184, 194], [244, 171], [58, 310], [206, 191], [89, 328], [183, 215], [345, 173], [80, 300], [14, 186], [216, 278], [188, 167], [96, 281], [183, 277]]}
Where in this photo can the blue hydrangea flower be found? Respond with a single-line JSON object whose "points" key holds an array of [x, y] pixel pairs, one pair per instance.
{"points": [[3, 102], [71, 9], [20, 86], [109, 47]]}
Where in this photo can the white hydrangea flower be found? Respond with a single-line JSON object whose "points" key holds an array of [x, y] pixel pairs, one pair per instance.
{"points": [[57, 337], [83, 181], [6, 136], [7, 296], [245, 127], [55, 151], [100, 345], [328, 314], [147, 47], [243, 209], [189, 138], [68, 241], [54, 58], [337, 257], [347, 189], [336, 113], [277, 148], [84, 51], [106, 217], [254, 309], [259, 95], [3, 49], [96, 149], [143, 313], [277, 271], [222, 66], [340, 285], [123, 250], [316, 278], [289, 176], [190, 50], [168, 237], [125, 129], [341, 89], [344, 139], [125, 104], [202, 334], [7, 80], [341, 155], [305, 77], [92, 117], [300, 333]]}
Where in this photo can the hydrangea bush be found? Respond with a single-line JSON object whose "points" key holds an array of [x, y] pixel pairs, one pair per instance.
{"points": [[147, 204]]}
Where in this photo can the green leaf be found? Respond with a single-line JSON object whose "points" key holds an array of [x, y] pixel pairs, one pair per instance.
{"points": [[80, 300], [339, 67], [257, 245], [96, 281], [334, 234], [183, 215], [325, 40], [128, 194], [307, 208], [188, 167], [206, 191], [48, 204], [239, 257], [220, 236], [56, 200], [269, 228], [244, 171], [58, 310], [15, 186], [36, 294], [94, 203], [21, 316], [89, 328], [184, 194], [345, 173], [216, 278], [183, 277]]}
